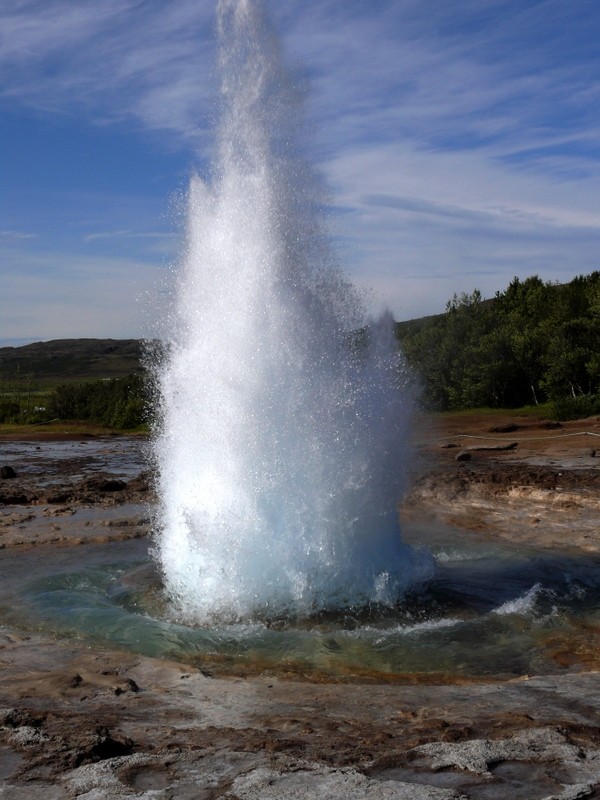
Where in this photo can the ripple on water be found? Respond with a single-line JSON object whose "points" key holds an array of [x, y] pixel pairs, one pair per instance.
{"points": [[512, 615]]}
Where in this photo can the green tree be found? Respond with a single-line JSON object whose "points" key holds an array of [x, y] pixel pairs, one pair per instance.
{"points": [[117, 403]]}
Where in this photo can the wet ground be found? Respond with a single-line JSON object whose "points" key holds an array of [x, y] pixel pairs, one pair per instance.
{"points": [[93, 720]]}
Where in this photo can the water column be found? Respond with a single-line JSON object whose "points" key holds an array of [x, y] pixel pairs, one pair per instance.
{"points": [[282, 428]]}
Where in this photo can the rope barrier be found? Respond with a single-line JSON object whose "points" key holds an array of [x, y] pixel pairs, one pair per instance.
{"points": [[526, 438], [511, 438]]}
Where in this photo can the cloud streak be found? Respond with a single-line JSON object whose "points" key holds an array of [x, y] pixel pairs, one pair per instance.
{"points": [[114, 60], [16, 235]]}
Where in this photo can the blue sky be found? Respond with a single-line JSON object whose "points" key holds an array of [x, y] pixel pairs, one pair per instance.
{"points": [[460, 141]]}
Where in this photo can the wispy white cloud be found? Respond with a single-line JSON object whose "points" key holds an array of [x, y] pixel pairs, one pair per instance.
{"points": [[420, 226], [117, 60], [16, 235], [447, 77]]}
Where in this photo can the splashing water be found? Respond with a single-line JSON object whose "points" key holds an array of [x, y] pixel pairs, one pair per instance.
{"points": [[282, 426]]}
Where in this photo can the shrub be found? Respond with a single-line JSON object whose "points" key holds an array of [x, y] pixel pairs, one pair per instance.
{"points": [[584, 405]]}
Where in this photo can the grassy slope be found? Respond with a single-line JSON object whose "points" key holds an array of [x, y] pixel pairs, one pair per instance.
{"points": [[65, 360], [36, 369]]}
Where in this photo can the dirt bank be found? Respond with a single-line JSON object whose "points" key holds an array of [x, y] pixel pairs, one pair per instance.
{"points": [[518, 478]]}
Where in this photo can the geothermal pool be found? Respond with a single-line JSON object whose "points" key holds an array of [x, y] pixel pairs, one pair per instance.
{"points": [[490, 610]]}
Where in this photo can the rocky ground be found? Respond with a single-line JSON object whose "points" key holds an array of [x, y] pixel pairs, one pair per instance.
{"points": [[509, 477], [81, 722]]}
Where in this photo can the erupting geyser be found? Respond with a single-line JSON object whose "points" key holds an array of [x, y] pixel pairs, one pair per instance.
{"points": [[282, 428]]}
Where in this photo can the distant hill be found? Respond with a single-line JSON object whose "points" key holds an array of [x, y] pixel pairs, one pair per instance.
{"points": [[89, 359], [72, 359], [410, 326]]}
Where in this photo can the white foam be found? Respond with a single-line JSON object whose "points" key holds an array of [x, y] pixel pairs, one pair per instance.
{"points": [[524, 604]]}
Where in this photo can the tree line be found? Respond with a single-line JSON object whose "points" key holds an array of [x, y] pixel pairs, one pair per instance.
{"points": [[532, 343], [114, 403], [120, 403]]}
